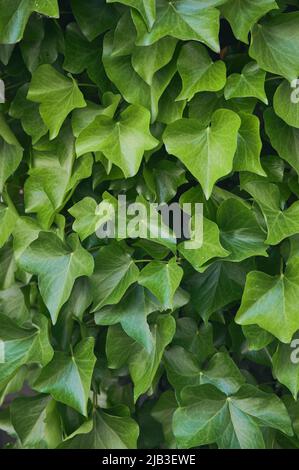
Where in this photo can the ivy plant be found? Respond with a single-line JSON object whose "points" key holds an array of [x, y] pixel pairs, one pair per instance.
{"points": [[124, 342]]}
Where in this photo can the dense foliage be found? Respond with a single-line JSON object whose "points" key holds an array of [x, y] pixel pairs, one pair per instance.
{"points": [[125, 343]]}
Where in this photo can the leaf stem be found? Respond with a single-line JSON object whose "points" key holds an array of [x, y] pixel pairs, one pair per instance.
{"points": [[91, 85]]}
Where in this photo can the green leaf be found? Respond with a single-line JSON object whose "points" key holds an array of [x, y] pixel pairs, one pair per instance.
{"points": [[240, 232], [268, 301], [281, 223], [207, 416], [131, 313], [114, 272], [211, 247], [123, 142], [143, 365], [162, 279], [221, 284], [28, 113], [247, 157], [148, 60], [15, 14], [284, 139], [184, 20], [93, 16], [271, 48], [183, 369], [243, 14], [284, 106], [249, 83], [106, 430], [68, 377], [57, 265], [37, 422], [133, 88], [11, 152], [146, 8], [286, 371], [57, 95], [210, 152], [198, 72]]}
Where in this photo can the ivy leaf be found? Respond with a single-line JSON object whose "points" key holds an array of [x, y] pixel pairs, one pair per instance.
{"points": [[211, 247], [283, 105], [143, 365], [210, 152], [57, 265], [184, 20], [162, 279], [109, 429], [280, 223], [123, 142], [183, 369], [240, 232], [268, 301], [146, 8], [133, 88], [114, 272], [80, 54], [131, 313], [36, 421], [68, 377], [15, 14], [249, 83], [28, 113], [89, 215], [11, 152], [221, 284], [284, 369], [57, 95], [198, 72], [283, 138], [94, 17], [147, 60], [207, 415], [242, 15], [247, 157], [271, 48]]}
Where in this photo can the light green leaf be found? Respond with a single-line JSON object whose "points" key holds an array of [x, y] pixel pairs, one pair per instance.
{"points": [[285, 370], [123, 142], [247, 157], [146, 8], [284, 106], [243, 14], [211, 247], [249, 83], [210, 152], [240, 232], [57, 95], [68, 377], [11, 152], [281, 223], [148, 60], [37, 422], [198, 72], [271, 48], [269, 301], [186, 20], [57, 265], [109, 429], [162, 279], [114, 272], [15, 14]]}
